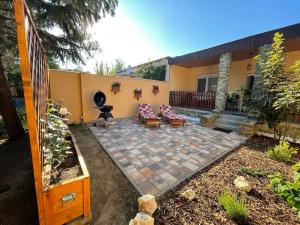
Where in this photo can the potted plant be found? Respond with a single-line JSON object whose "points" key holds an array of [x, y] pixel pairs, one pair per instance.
{"points": [[155, 89], [137, 93], [115, 87], [66, 181]]}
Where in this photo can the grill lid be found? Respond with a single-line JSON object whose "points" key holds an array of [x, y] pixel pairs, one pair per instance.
{"points": [[99, 99]]}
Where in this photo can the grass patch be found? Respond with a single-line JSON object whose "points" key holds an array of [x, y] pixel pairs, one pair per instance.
{"points": [[252, 172], [234, 207]]}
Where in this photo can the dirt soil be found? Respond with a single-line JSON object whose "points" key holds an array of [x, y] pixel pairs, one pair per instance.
{"points": [[69, 169], [17, 195], [263, 205], [113, 198]]}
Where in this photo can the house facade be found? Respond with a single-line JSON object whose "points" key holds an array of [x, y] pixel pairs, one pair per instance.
{"points": [[228, 67]]}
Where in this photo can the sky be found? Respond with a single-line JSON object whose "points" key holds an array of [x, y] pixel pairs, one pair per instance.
{"points": [[144, 30]]}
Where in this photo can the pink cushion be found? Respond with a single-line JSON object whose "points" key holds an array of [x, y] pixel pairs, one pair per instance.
{"points": [[166, 111], [146, 112]]}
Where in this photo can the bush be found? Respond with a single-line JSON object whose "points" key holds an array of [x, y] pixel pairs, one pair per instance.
{"points": [[252, 172], [282, 152], [288, 190], [234, 208]]}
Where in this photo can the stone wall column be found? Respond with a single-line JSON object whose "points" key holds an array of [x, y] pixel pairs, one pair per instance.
{"points": [[222, 86], [258, 87]]}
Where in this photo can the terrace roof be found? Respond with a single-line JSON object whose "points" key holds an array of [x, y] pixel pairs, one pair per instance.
{"points": [[244, 48]]}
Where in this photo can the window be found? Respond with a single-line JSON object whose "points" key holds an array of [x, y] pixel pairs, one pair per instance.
{"points": [[207, 84], [201, 85]]}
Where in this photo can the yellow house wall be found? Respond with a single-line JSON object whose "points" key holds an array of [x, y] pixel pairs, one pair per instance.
{"points": [[76, 91], [185, 79]]}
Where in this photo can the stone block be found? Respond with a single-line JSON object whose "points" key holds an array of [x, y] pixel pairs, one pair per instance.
{"points": [[208, 120], [142, 219], [147, 204], [248, 128]]}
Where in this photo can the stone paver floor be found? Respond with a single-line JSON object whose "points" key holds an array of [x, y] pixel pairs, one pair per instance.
{"points": [[157, 159]]}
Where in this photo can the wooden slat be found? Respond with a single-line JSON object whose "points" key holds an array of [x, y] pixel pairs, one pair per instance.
{"points": [[189, 99], [35, 77], [35, 90], [240, 49]]}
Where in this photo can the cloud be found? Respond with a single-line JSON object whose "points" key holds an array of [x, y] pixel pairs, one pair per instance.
{"points": [[120, 37]]}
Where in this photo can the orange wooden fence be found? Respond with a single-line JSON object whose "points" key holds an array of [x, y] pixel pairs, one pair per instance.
{"points": [[190, 99], [34, 71]]}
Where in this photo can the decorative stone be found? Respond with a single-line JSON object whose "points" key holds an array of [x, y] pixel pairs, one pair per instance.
{"points": [[208, 120], [147, 204], [248, 128], [223, 79], [242, 184], [189, 194], [142, 219]]}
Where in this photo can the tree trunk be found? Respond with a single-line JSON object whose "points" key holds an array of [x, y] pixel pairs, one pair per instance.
{"points": [[7, 109]]}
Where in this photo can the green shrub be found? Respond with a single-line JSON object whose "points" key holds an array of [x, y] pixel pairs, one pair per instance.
{"points": [[234, 207], [288, 190], [253, 172], [282, 152]]}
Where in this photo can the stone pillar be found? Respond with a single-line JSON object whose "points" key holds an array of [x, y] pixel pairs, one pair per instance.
{"points": [[222, 86], [258, 86], [167, 76]]}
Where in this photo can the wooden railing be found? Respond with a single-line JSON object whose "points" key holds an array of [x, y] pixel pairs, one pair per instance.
{"points": [[190, 99], [35, 79]]}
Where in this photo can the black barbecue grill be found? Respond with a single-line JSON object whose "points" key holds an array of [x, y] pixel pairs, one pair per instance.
{"points": [[105, 110]]}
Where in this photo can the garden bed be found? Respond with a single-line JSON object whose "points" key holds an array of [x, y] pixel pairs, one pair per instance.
{"points": [[263, 205], [69, 169], [68, 196]]}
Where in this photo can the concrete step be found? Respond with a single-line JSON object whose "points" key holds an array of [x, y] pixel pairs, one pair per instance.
{"points": [[227, 126], [229, 121], [233, 117]]}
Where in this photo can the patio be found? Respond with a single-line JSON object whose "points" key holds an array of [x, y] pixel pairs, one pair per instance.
{"points": [[156, 160]]}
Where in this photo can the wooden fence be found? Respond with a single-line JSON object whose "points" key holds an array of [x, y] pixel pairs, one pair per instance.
{"points": [[35, 79], [190, 99]]}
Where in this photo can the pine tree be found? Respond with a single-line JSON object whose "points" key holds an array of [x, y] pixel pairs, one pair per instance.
{"points": [[70, 18]]}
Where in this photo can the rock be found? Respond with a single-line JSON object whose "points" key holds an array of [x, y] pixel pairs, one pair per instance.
{"points": [[242, 184], [189, 194], [147, 204], [142, 219]]}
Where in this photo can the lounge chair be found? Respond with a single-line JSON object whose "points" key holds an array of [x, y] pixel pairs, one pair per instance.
{"points": [[148, 116], [169, 115]]}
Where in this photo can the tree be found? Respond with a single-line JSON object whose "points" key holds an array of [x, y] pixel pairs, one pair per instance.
{"points": [[152, 72], [105, 69], [8, 51], [71, 41], [278, 95]]}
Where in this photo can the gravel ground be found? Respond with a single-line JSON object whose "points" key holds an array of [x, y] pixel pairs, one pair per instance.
{"points": [[263, 205]]}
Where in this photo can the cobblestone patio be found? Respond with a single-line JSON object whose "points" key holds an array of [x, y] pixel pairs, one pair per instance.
{"points": [[154, 159]]}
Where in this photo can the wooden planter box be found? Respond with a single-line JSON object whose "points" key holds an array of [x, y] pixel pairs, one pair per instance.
{"points": [[69, 200]]}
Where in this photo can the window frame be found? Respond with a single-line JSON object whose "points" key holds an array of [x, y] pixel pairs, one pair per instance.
{"points": [[206, 77]]}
